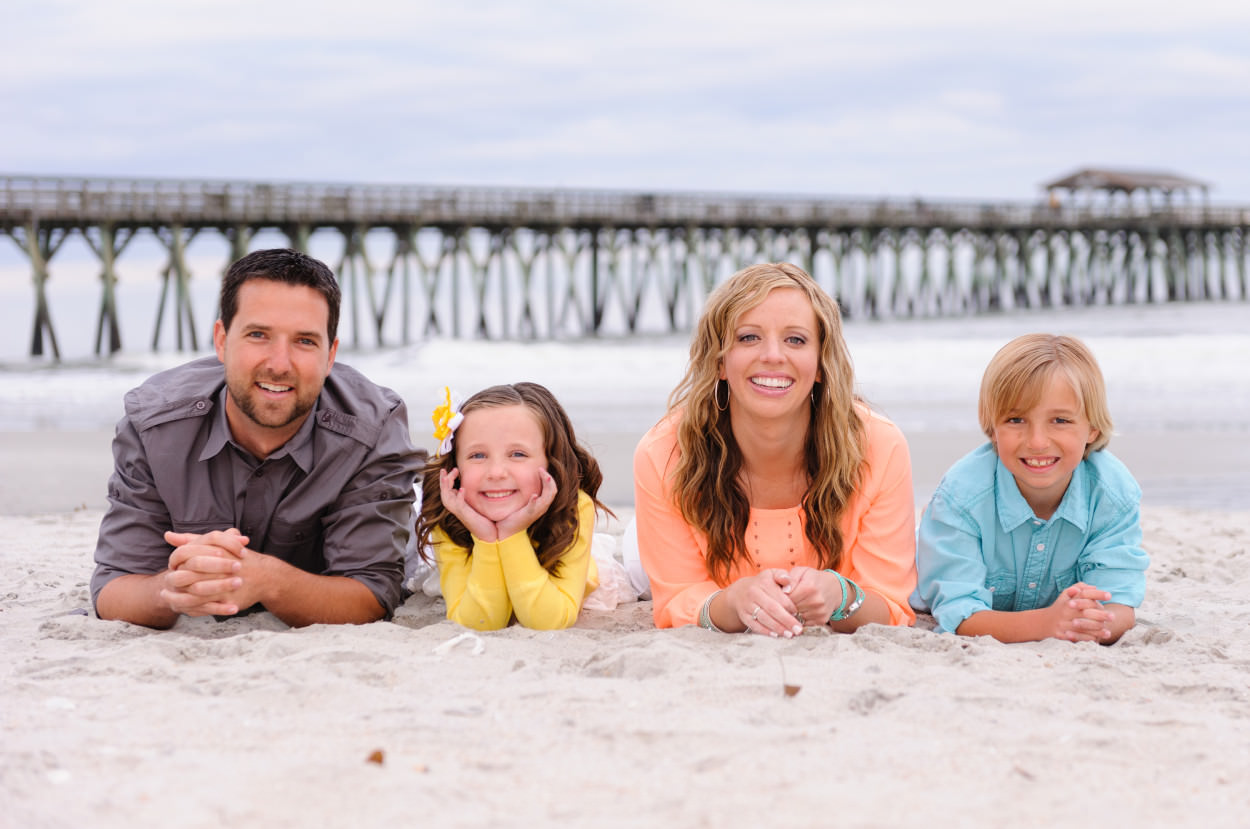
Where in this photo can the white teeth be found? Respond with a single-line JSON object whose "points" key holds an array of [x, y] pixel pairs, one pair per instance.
{"points": [[271, 387], [773, 382], [502, 494], [1039, 462]]}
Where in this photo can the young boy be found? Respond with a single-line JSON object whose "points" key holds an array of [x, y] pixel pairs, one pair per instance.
{"points": [[1036, 534]]}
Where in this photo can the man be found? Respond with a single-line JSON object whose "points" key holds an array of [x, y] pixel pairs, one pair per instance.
{"points": [[276, 483]]}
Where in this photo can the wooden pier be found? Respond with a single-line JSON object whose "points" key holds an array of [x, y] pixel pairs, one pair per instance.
{"points": [[550, 264]]}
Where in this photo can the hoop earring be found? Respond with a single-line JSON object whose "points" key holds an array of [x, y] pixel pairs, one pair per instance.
{"points": [[716, 395]]}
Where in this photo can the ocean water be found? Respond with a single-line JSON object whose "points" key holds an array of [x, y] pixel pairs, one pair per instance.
{"points": [[1182, 367], [1178, 380]]}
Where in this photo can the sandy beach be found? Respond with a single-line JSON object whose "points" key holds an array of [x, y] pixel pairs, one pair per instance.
{"points": [[249, 723], [613, 723]]}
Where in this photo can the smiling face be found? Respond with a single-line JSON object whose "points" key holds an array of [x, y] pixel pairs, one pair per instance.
{"points": [[277, 355], [499, 452], [773, 358], [1043, 445]]}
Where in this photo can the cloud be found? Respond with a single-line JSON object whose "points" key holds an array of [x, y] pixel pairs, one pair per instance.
{"points": [[968, 98]]}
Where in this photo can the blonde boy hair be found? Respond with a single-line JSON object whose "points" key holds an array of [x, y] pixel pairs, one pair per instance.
{"points": [[1016, 377]]}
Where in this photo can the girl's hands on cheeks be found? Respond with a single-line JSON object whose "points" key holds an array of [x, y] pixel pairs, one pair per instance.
{"points": [[453, 498], [536, 508], [1078, 615], [762, 604], [481, 526]]}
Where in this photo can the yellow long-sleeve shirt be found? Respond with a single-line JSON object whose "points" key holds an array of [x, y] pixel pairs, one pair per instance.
{"points": [[500, 578]]}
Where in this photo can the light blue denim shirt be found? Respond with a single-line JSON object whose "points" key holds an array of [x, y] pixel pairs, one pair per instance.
{"points": [[980, 547]]}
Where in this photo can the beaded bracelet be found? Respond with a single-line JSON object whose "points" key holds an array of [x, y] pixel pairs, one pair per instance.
{"points": [[705, 614], [844, 610]]}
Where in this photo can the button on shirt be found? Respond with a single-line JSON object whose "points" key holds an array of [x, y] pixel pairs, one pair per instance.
{"points": [[980, 547], [336, 499]]}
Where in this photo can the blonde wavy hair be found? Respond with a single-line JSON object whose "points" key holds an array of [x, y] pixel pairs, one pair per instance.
{"points": [[706, 484], [1017, 376]]}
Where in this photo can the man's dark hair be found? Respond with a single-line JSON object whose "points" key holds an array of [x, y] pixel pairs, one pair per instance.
{"points": [[281, 265]]}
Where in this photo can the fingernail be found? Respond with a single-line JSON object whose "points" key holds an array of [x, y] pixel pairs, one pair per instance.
{"points": [[797, 629]]}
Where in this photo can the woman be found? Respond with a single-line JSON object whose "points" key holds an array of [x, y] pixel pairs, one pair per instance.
{"points": [[770, 497]]}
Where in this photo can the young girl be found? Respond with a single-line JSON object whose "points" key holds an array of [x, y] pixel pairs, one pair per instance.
{"points": [[1036, 534], [509, 509]]}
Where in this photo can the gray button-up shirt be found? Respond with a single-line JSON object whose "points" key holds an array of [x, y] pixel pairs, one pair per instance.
{"points": [[335, 500]]}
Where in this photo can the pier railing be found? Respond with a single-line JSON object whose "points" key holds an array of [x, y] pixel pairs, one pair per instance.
{"points": [[222, 203]]}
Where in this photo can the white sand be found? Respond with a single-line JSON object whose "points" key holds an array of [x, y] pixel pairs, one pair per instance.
{"points": [[249, 723]]}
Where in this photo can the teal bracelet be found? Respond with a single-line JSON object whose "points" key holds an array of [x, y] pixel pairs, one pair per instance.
{"points": [[844, 610], [838, 614]]}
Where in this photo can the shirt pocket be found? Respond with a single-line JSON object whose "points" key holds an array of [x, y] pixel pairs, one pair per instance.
{"points": [[1061, 581], [1002, 587], [297, 543]]}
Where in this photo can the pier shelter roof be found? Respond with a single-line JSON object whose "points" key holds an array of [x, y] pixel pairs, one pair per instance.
{"points": [[1126, 181]]}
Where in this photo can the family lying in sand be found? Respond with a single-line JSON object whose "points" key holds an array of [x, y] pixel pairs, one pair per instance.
{"points": [[769, 498]]}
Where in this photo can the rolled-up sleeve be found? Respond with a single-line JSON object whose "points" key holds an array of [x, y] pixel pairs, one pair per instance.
{"points": [[366, 527], [882, 544], [1114, 560], [950, 569], [132, 532]]}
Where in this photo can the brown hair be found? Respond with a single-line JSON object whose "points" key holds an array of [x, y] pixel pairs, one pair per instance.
{"points": [[281, 265], [706, 483], [570, 464], [1017, 375]]}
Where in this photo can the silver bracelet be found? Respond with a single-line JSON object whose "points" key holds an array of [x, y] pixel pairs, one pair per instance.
{"points": [[705, 614]]}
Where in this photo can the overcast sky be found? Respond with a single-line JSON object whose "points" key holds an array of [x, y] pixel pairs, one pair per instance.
{"points": [[955, 99]]}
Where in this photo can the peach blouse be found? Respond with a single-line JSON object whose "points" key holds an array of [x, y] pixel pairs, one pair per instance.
{"points": [[878, 529]]}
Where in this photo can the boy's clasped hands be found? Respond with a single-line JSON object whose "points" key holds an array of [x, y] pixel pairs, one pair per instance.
{"points": [[1078, 615]]}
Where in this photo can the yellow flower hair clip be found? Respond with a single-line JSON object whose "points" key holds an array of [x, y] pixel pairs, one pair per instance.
{"points": [[446, 418]]}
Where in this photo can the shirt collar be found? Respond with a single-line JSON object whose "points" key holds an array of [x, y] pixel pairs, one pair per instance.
{"points": [[1074, 508], [299, 447], [1013, 510]]}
